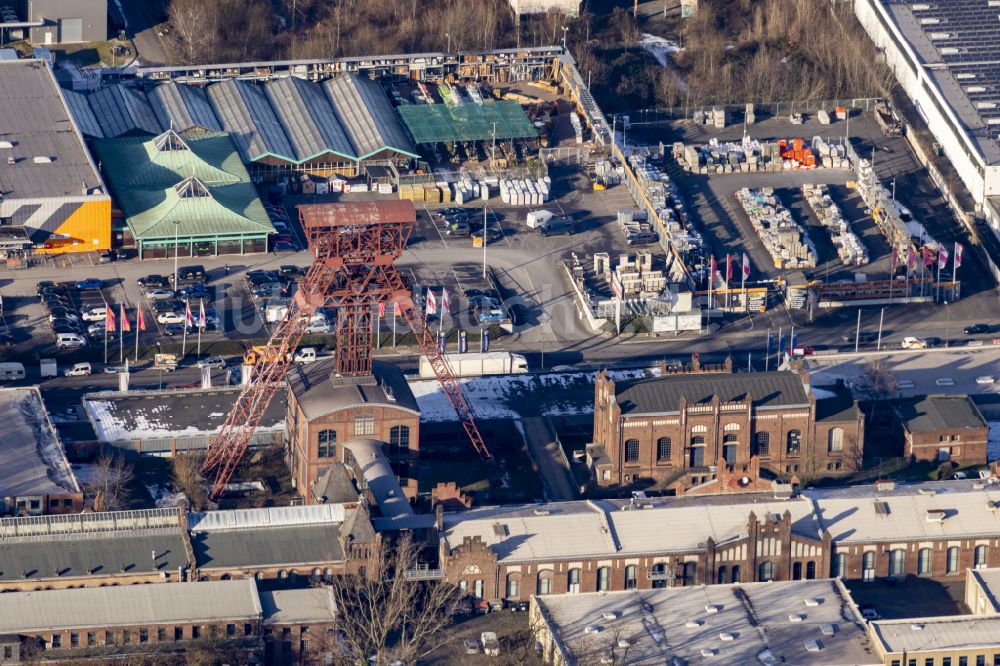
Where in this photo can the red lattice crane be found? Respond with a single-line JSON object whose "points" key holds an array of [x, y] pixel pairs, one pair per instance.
{"points": [[354, 247]]}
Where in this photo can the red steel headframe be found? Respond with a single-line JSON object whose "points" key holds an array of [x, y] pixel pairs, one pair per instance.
{"points": [[354, 246]]}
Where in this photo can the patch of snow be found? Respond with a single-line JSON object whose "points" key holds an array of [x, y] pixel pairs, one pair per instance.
{"points": [[822, 394], [507, 396], [163, 497], [216, 415], [993, 442], [151, 422], [659, 47]]}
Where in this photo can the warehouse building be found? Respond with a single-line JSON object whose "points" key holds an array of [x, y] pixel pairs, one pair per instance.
{"points": [[51, 22], [946, 57], [35, 477], [340, 125], [943, 428], [186, 194], [50, 191], [804, 622]]}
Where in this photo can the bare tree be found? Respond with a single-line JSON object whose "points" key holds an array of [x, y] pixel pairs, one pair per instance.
{"points": [[195, 25], [110, 481], [382, 613], [610, 646], [188, 478]]}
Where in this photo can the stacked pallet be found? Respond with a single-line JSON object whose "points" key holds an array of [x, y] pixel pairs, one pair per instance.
{"points": [[574, 120], [747, 156], [525, 192], [849, 247], [785, 239], [831, 155]]}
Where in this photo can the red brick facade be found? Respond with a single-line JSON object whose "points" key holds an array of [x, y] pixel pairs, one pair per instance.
{"points": [[679, 447]]}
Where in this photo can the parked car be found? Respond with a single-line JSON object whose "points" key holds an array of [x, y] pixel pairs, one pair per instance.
{"points": [[70, 341], [56, 314], [318, 327], [870, 614], [170, 318], [152, 281], [910, 342], [290, 271], [188, 274], [107, 257], [985, 379], [492, 234], [194, 291], [557, 227], [212, 362], [89, 283], [459, 230], [976, 329], [78, 370], [114, 369], [158, 294], [285, 246], [43, 285]]}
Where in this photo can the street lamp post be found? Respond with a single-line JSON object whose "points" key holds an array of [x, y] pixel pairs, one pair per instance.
{"points": [[565, 30], [177, 249], [947, 330]]}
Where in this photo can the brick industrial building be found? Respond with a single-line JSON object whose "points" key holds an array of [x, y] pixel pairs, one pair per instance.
{"points": [[327, 412], [939, 428], [671, 429]]}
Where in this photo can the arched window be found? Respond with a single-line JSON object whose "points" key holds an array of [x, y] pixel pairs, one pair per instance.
{"points": [[513, 585], [663, 449], [720, 577], [979, 561], [544, 583], [690, 573], [765, 572], [810, 570], [836, 441], [631, 450], [952, 566], [840, 565], [696, 456], [794, 442], [897, 562], [797, 571], [659, 575], [729, 446], [399, 437], [573, 581], [603, 579], [631, 578], [762, 444], [327, 444], [868, 566], [736, 573], [924, 562]]}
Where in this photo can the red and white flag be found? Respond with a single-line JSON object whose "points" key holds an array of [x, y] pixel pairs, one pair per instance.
{"points": [[126, 327], [711, 274], [929, 256], [445, 297], [911, 258], [958, 254], [432, 306], [746, 265], [895, 258], [201, 314], [109, 323], [381, 309], [139, 319], [188, 317], [942, 257]]}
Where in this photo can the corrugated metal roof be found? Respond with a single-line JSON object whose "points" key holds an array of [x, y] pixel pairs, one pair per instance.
{"points": [[939, 412], [129, 605], [34, 116], [267, 546], [350, 213], [308, 119], [380, 477], [230, 209], [83, 114], [312, 605], [182, 107], [34, 463], [659, 395], [141, 162], [367, 116], [244, 111], [938, 634], [280, 516], [121, 110]]}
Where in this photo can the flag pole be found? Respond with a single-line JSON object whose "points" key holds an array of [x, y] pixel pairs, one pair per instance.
{"points": [[121, 337], [394, 314], [184, 336], [137, 338], [378, 328], [105, 336]]}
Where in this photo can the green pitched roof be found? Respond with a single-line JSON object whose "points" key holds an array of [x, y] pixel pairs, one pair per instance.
{"points": [[194, 177]]}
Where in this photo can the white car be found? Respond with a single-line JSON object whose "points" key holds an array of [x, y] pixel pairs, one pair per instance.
{"points": [[114, 369], [985, 379], [97, 314], [913, 343], [318, 327], [159, 294], [212, 362], [170, 318]]}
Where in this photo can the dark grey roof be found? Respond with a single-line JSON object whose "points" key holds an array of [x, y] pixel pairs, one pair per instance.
{"points": [[939, 412], [155, 414], [245, 112], [102, 554], [840, 407], [33, 461], [121, 110], [661, 395], [308, 118], [335, 486], [367, 116], [34, 117], [300, 544], [319, 393], [180, 107]]}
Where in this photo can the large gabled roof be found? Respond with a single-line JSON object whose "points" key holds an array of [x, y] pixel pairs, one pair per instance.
{"points": [[180, 107], [367, 115], [201, 211], [162, 161], [308, 119], [120, 110], [247, 115], [659, 395]]}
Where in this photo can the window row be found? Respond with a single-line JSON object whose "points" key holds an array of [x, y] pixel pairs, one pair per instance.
{"points": [[142, 635], [964, 660], [399, 437], [730, 444], [897, 562], [659, 576]]}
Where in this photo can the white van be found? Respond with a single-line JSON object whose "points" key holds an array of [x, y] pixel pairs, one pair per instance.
{"points": [[70, 341], [305, 355], [79, 370], [99, 313], [10, 372]]}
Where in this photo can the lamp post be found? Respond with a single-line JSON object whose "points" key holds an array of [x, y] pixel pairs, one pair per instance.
{"points": [[177, 250], [449, 41], [565, 30]]}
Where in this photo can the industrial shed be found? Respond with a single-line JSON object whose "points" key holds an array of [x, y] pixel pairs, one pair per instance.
{"points": [[337, 126], [187, 190]]}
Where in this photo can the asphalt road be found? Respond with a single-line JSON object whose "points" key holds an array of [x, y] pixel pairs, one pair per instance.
{"points": [[142, 17]]}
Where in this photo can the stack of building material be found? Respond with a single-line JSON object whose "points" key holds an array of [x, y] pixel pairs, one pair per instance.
{"points": [[608, 172], [823, 117], [431, 194], [785, 240], [637, 277], [445, 190], [719, 117], [831, 155], [574, 119], [849, 247], [796, 155], [525, 192], [749, 155]]}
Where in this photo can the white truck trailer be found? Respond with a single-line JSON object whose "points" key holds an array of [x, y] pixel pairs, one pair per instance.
{"points": [[478, 365]]}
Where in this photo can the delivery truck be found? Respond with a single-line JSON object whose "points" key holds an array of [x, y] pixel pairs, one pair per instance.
{"points": [[477, 365]]}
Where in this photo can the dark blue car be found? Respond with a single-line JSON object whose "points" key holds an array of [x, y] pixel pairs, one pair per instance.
{"points": [[89, 283]]}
